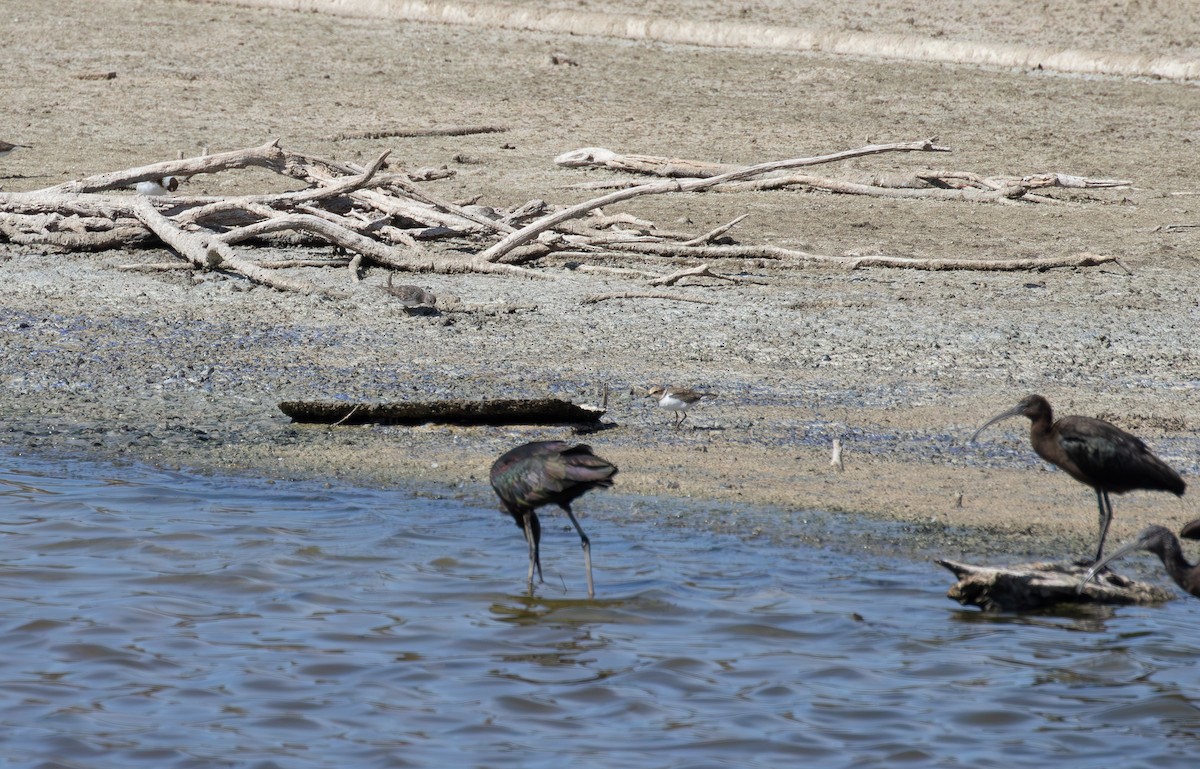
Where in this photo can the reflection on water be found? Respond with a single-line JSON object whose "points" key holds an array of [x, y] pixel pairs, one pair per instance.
{"points": [[152, 619]]}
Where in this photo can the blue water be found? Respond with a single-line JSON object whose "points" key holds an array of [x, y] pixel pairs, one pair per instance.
{"points": [[157, 619]]}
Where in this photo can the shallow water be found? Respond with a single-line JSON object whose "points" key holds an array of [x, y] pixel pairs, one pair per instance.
{"points": [[155, 619]]}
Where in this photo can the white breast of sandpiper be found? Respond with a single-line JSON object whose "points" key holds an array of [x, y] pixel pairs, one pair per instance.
{"points": [[669, 401]]}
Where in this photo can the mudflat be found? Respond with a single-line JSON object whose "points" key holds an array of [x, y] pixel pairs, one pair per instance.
{"points": [[186, 369]]}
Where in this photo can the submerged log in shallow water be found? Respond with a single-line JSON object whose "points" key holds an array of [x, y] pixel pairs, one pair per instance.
{"points": [[538, 411], [1041, 585]]}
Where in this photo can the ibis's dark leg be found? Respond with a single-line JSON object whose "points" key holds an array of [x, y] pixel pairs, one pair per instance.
{"points": [[586, 544], [679, 421], [534, 554], [1106, 514]]}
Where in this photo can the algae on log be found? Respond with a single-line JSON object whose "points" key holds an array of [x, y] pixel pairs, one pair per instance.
{"points": [[1042, 585], [542, 411]]}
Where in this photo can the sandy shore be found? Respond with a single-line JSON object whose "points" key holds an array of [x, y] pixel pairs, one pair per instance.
{"points": [[186, 370]]}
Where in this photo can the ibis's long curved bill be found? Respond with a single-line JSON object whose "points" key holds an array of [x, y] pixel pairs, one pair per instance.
{"points": [[1015, 411]]}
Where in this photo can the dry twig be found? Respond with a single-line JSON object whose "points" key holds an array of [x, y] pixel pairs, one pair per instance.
{"points": [[409, 133], [700, 272], [595, 298]]}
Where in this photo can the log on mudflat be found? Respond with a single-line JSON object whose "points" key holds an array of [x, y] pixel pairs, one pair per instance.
{"points": [[539, 411], [1027, 586]]}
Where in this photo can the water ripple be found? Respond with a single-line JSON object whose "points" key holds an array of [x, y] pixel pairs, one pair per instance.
{"points": [[154, 619]]}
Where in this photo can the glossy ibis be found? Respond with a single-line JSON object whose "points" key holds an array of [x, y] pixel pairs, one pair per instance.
{"points": [[1095, 453], [677, 399], [1164, 544], [548, 473]]}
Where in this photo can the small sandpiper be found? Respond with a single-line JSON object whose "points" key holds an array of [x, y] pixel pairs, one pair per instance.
{"points": [[414, 299], [164, 186], [8, 148], [677, 399]]}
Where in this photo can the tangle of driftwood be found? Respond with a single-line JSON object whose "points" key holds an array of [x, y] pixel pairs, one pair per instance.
{"points": [[531, 230], [385, 218], [378, 216]]}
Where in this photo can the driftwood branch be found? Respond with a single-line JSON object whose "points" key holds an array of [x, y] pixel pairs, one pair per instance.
{"points": [[967, 194], [412, 133], [596, 298], [208, 252], [1042, 585], [622, 271], [1082, 259], [702, 271], [937, 186], [712, 235], [268, 155], [489, 412]]}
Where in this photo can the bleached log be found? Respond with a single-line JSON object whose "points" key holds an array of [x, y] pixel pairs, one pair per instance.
{"points": [[641, 164], [1082, 259], [967, 194], [97, 240], [268, 155], [1030, 586], [155, 266], [86, 204], [208, 252]]}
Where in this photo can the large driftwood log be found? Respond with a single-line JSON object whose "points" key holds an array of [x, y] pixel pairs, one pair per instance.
{"points": [[207, 253], [268, 155], [542, 411], [785, 255], [1030, 586]]}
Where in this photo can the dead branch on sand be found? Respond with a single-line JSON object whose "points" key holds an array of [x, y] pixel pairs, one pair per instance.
{"points": [[1082, 259], [596, 298], [702, 271], [937, 185], [411, 133]]}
